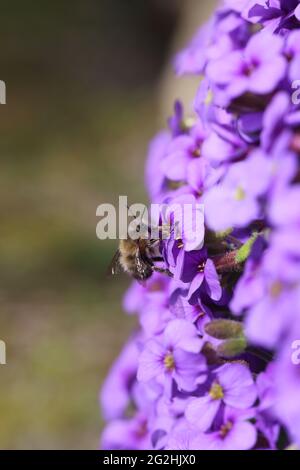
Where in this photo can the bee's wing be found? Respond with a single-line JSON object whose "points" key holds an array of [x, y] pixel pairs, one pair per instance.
{"points": [[141, 265], [115, 266]]}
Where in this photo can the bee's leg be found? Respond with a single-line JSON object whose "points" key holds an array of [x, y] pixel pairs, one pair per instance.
{"points": [[157, 259], [154, 242], [162, 271]]}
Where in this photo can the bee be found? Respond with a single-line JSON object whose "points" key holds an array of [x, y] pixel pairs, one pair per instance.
{"points": [[136, 257]]}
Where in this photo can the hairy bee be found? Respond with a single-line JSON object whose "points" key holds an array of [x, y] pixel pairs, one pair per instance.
{"points": [[137, 258], [134, 257]]}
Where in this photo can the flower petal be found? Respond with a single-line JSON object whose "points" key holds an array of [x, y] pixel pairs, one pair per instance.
{"points": [[201, 412], [182, 334], [212, 280], [238, 385]]}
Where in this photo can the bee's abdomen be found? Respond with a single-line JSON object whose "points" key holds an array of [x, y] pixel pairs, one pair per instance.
{"points": [[128, 247], [131, 261], [127, 262]]}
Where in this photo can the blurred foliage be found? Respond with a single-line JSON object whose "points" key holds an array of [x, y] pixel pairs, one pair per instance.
{"points": [[80, 109]]}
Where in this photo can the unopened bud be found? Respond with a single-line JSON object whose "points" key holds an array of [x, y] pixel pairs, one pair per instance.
{"points": [[224, 329], [232, 347]]}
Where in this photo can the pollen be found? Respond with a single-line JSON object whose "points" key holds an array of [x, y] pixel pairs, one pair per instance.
{"points": [[201, 314], [175, 184], [169, 362], [225, 429], [196, 152], [188, 123], [240, 194], [156, 287], [216, 391], [276, 289], [142, 429], [201, 267], [209, 98]]}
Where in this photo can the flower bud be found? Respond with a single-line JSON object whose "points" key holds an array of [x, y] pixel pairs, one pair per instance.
{"points": [[224, 329]]}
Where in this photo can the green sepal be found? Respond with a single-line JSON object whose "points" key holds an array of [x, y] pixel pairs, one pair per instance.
{"points": [[243, 253]]}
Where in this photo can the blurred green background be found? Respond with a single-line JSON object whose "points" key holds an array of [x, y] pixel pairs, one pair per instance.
{"points": [[81, 106], [87, 84]]}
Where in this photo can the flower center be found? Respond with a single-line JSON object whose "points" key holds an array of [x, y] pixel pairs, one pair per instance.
{"points": [[156, 287], [180, 244], [142, 429], [200, 314], [209, 98], [276, 289], [216, 391], [195, 152], [201, 267], [188, 123], [250, 67], [240, 194], [175, 184], [225, 429], [169, 362]]}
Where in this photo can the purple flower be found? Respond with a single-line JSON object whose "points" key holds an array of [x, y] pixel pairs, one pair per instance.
{"points": [[181, 151], [127, 434], [249, 126], [292, 50], [115, 393], [223, 145], [168, 415], [228, 184], [274, 14], [266, 422], [193, 267], [232, 386], [155, 180], [238, 193], [198, 313], [138, 295], [154, 319], [184, 437], [249, 289], [193, 59], [185, 216], [176, 122], [200, 175], [175, 356], [233, 432], [287, 386], [269, 291], [284, 208], [257, 69], [273, 119]]}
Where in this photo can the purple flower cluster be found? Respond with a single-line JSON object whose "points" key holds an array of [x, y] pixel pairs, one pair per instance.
{"points": [[211, 364]]}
